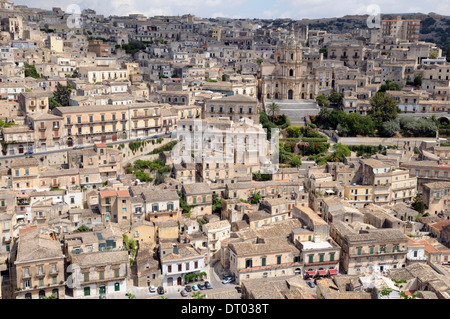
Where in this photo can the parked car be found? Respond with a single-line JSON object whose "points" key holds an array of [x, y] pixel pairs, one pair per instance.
{"points": [[208, 285], [168, 132], [195, 288], [311, 284], [188, 288], [161, 290], [152, 289], [238, 289], [227, 279], [28, 152], [102, 296], [77, 147], [201, 286], [155, 136], [184, 293]]}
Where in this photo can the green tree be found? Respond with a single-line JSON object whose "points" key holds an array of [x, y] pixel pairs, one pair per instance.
{"points": [[62, 94], [296, 161], [384, 109], [390, 86], [198, 295], [273, 107], [82, 228], [256, 198], [335, 98], [418, 79], [130, 295], [216, 204], [322, 100], [30, 71], [418, 204], [390, 128]]}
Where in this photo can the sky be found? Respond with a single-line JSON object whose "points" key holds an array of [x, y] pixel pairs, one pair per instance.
{"points": [[269, 9]]}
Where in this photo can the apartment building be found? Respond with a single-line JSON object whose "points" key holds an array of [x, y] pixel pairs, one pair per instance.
{"points": [[263, 258], [404, 29], [25, 173], [38, 268], [235, 107], [199, 197], [367, 249], [427, 171], [436, 197], [177, 260], [100, 273]]}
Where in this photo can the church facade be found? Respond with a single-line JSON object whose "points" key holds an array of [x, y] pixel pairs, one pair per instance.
{"points": [[291, 77]]}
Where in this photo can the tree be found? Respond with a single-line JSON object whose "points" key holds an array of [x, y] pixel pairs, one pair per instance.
{"points": [[259, 60], [198, 295], [30, 71], [322, 100], [296, 161], [256, 198], [130, 295], [324, 51], [384, 109], [216, 204], [418, 204], [49, 297], [82, 228], [390, 128], [335, 97], [273, 107], [390, 86], [62, 94], [418, 79]]}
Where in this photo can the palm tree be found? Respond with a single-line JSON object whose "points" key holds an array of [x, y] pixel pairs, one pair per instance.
{"points": [[273, 107]]}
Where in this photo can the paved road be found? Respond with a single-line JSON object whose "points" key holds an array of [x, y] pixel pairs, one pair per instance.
{"points": [[81, 147]]}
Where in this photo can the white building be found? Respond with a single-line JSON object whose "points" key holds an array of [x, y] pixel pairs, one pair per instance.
{"points": [[178, 260]]}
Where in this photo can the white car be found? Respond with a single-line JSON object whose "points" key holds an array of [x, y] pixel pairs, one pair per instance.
{"points": [[152, 289]]}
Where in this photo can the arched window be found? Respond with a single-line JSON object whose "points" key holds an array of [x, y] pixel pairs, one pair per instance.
{"points": [[291, 72]]}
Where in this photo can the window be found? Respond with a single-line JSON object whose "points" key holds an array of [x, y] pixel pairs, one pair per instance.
{"points": [[321, 258], [101, 275], [331, 256], [263, 261], [311, 258], [86, 276], [359, 250], [169, 268], [116, 273], [278, 260], [54, 280]]}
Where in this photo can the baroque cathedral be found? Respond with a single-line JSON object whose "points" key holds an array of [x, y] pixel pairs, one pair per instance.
{"points": [[291, 77]]}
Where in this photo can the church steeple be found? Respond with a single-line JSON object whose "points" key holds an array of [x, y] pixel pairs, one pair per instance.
{"points": [[291, 41]]}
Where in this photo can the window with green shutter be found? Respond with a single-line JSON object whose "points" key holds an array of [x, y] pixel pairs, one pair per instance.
{"points": [[359, 251], [87, 291], [117, 286], [263, 261], [310, 258], [331, 256], [321, 258]]}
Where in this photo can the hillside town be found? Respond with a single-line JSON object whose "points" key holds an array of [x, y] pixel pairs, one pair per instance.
{"points": [[178, 157]]}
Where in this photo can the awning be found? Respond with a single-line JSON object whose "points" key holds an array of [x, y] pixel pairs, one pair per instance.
{"points": [[332, 271], [329, 191], [322, 273], [311, 273]]}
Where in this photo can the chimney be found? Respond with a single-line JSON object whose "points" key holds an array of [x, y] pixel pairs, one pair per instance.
{"points": [[316, 238]]}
